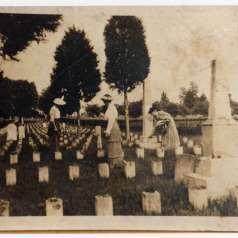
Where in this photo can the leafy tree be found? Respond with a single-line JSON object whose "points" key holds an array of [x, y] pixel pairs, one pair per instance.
{"points": [[164, 101], [17, 97], [135, 109], [201, 106], [191, 102], [17, 31], [127, 58], [46, 99], [188, 97], [76, 74]]}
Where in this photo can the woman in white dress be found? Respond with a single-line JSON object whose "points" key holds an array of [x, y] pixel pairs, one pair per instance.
{"points": [[165, 121], [53, 128], [113, 133]]}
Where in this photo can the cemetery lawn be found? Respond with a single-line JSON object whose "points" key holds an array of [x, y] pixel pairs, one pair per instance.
{"points": [[27, 197]]}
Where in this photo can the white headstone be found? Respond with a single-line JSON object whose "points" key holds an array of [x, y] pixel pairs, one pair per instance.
{"points": [[11, 177], [179, 150], [151, 203], [73, 172], [54, 207], [157, 167], [4, 208], [79, 155], [103, 170], [160, 152], [36, 156], [58, 155], [130, 169], [103, 205], [198, 198], [100, 153], [140, 153], [43, 174], [13, 158]]}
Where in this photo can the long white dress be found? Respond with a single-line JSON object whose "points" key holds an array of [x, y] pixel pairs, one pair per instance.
{"points": [[171, 137], [114, 142]]}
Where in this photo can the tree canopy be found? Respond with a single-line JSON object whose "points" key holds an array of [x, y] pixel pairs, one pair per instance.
{"points": [[127, 57], [126, 52], [76, 74], [17, 97], [17, 31]]}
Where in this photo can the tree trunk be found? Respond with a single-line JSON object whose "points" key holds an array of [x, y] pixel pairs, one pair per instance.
{"points": [[127, 117]]}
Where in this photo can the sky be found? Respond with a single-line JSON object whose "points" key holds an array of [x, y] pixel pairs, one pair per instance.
{"points": [[181, 42]]}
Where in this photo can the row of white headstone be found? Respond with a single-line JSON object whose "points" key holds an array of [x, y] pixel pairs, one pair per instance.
{"points": [[160, 151], [151, 204]]}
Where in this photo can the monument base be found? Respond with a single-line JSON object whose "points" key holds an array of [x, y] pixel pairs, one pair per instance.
{"points": [[218, 175], [218, 138]]}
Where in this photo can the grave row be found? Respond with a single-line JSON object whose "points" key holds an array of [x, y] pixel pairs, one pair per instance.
{"points": [[129, 170], [151, 205]]}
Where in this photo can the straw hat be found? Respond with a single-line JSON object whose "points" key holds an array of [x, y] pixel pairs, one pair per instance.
{"points": [[107, 98], [59, 101]]}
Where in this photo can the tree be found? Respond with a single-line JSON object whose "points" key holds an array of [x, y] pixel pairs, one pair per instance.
{"points": [[17, 97], [201, 106], [127, 58], [191, 102], [188, 97], [76, 74], [135, 109], [17, 31], [164, 101]]}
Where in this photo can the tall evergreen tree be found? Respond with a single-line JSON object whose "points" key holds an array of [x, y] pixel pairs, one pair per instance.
{"points": [[127, 56], [76, 74]]}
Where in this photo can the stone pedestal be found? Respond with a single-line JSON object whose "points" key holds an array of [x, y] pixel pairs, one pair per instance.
{"points": [[217, 171], [219, 138], [103, 205], [54, 207], [218, 175], [151, 203], [183, 166]]}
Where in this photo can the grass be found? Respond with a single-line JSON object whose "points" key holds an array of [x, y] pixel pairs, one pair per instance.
{"points": [[28, 197]]}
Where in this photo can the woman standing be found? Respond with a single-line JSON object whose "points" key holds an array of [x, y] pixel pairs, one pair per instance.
{"points": [[53, 129], [113, 133], [164, 121]]}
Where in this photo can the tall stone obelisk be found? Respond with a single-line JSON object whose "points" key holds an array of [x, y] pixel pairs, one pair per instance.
{"points": [[220, 125], [147, 118]]}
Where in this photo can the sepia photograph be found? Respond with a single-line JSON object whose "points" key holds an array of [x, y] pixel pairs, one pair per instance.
{"points": [[119, 118]]}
